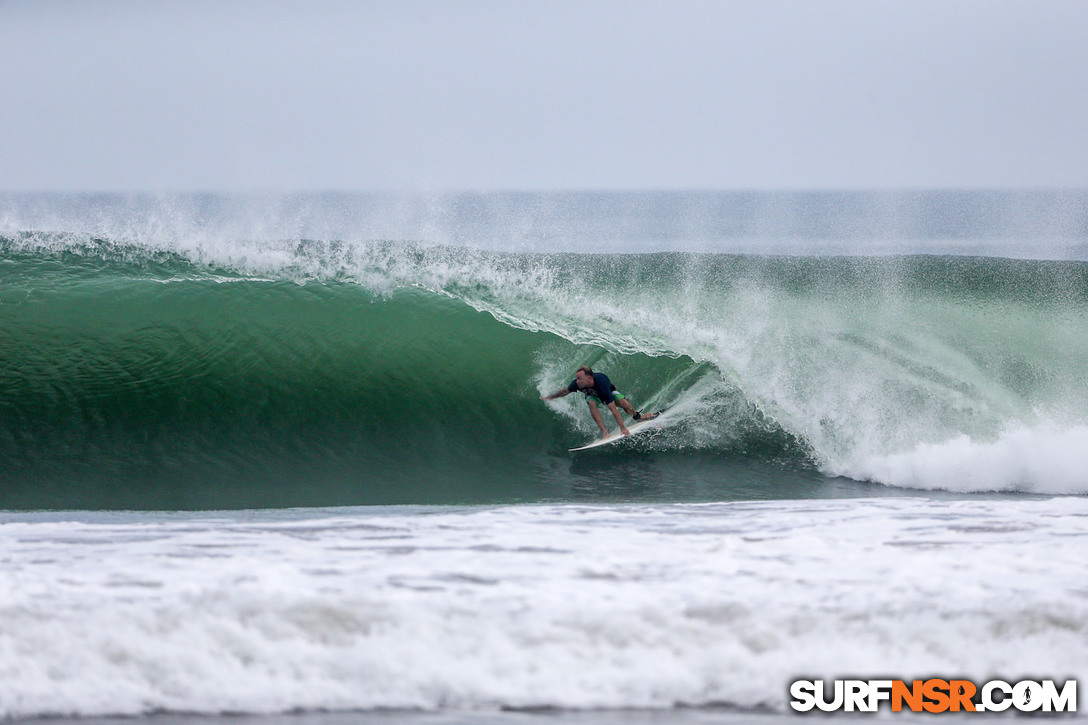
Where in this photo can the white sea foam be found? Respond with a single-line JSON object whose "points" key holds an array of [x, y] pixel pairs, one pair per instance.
{"points": [[1035, 460], [564, 606]]}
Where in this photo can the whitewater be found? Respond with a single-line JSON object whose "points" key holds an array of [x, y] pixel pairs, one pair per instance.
{"points": [[265, 455], [577, 607]]}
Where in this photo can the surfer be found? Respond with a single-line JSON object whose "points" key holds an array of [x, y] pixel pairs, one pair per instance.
{"points": [[597, 387]]}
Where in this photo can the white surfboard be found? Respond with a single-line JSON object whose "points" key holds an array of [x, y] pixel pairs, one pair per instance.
{"points": [[641, 426]]}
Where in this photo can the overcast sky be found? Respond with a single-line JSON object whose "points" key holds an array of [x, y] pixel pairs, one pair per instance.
{"points": [[183, 95]]}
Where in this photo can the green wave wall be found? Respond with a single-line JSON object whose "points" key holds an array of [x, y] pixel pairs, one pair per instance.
{"points": [[307, 373]]}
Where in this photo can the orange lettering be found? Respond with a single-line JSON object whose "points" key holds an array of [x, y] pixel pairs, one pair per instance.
{"points": [[934, 691], [961, 692], [912, 695]]}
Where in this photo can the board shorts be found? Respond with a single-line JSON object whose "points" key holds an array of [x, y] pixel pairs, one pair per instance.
{"points": [[616, 395]]}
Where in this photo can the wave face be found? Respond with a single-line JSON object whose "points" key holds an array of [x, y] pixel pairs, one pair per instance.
{"points": [[251, 374]]}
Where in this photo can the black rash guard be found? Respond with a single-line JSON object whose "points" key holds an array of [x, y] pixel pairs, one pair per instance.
{"points": [[601, 390]]}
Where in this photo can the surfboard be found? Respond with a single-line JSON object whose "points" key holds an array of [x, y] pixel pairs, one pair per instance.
{"points": [[641, 426]]}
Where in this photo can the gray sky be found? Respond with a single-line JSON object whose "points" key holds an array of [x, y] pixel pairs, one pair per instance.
{"points": [[184, 95]]}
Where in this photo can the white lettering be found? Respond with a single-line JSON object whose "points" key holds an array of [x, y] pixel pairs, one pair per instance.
{"points": [[856, 695], [1065, 701], [1027, 696], [878, 690], [804, 697], [988, 697], [821, 699]]}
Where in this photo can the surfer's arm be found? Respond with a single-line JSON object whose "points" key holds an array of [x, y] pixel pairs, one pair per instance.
{"points": [[619, 420], [557, 394], [596, 413]]}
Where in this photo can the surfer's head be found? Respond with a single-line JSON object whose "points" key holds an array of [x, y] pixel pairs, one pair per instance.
{"points": [[584, 377]]}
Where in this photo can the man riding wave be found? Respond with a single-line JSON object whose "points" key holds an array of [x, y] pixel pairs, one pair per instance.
{"points": [[598, 388]]}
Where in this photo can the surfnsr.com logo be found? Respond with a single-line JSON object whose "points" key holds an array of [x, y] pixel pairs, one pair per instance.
{"points": [[933, 695]]}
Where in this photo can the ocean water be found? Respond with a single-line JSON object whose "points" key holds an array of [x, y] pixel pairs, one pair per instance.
{"points": [[279, 455]]}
